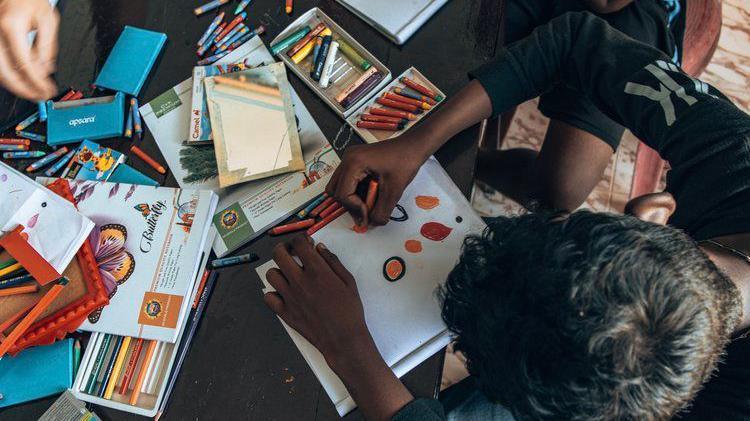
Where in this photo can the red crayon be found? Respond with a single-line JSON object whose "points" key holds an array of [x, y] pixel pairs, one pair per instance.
{"points": [[419, 88], [398, 105], [383, 119], [392, 113], [330, 209], [8, 141], [75, 96], [294, 226], [327, 220], [380, 126], [318, 209], [405, 100], [68, 95]]}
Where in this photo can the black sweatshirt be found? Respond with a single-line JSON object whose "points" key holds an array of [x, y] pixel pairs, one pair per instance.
{"points": [[704, 137]]}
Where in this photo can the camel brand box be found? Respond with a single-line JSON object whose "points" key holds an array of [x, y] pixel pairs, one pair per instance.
{"points": [[90, 118]]}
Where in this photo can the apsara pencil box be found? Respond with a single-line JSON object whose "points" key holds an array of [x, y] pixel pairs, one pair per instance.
{"points": [[90, 118]]}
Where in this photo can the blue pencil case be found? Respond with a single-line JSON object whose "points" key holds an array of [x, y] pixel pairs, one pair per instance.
{"points": [[91, 118], [131, 60]]}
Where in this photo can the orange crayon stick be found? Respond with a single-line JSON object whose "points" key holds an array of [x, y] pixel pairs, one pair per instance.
{"points": [[294, 226], [147, 159], [421, 89], [289, 7], [10, 141], [330, 209], [406, 100], [318, 209], [327, 220], [398, 105], [393, 113]]}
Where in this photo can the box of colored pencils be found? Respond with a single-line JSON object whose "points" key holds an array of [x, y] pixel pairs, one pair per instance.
{"points": [[330, 61], [396, 107]]}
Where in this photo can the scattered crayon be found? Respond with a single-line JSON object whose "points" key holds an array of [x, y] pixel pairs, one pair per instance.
{"points": [[319, 63], [306, 39], [289, 6], [327, 220], [23, 154], [129, 124], [76, 96], [406, 100], [42, 106], [137, 128], [232, 39], [419, 88], [14, 147], [372, 193], [28, 121], [33, 136], [10, 141], [410, 93], [68, 95], [49, 172], [36, 165], [243, 39], [318, 209], [233, 261], [148, 160], [240, 7], [229, 35], [312, 205], [212, 59], [380, 125], [294, 226], [203, 48], [16, 280], [353, 55], [232, 24], [399, 105], [25, 289], [362, 90], [209, 6], [360, 80], [325, 78], [383, 119], [392, 113], [330, 209], [290, 40], [210, 30], [304, 52]]}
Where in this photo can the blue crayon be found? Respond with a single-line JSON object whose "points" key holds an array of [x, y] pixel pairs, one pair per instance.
{"points": [[209, 7], [212, 59], [240, 7], [243, 39], [23, 154], [203, 48], [47, 159], [42, 110], [224, 40], [129, 124], [33, 136], [211, 28], [14, 148], [318, 200], [27, 122], [237, 35], [233, 261], [17, 280], [59, 164], [137, 128]]}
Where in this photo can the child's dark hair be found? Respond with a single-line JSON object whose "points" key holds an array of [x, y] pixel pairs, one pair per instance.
{"points": [[594, 316]]}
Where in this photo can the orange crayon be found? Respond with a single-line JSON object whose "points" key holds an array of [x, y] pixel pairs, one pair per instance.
{"points": [[147, 159], [406, 100], [327, 220], [330, 209], [318, 209], [393, 113], [421, 89], [294, 226]]}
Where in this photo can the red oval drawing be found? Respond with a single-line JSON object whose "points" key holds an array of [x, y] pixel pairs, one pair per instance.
{"points": [[413, 246], [435, 231], [427, 202]]}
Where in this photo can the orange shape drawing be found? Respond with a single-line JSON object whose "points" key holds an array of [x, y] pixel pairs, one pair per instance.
{"points": [[394, 268], [413, 246], [427, 202]]}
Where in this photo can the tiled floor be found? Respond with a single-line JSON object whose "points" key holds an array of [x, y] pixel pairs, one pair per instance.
{"points": [[729, 71]]}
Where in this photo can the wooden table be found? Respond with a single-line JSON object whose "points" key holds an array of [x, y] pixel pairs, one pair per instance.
{"points": [[242, 364]]}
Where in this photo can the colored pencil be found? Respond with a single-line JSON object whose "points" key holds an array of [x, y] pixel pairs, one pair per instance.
{"points": [[96, 369], [28, 121], [76, 357], [306, 39], [214, 23], [362, 90], [150, 367], [419, 88], [232, 24], [102, 389], [10, 269], [201, 285], [158, 362], [148, 160], [318, 209], [132, 363], [314, 203], [96, 343], [25, 289], [7, 263], [330, 209], [327, 220], [32, 316], [213, 59], [142, 373], [137, 128], [121, 354], [14, 148], [294, 226], [17, 280]]}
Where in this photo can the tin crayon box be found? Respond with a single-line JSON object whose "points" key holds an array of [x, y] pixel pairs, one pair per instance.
{"points": [[90, 118]]}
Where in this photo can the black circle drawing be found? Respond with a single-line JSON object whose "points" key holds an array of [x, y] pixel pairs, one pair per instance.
{"points": [[397, 272], [459, 219], [400, 218]]}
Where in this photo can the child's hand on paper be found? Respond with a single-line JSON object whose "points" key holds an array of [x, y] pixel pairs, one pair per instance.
{"points": [[26, 70], [319, 299], [393, 163]]}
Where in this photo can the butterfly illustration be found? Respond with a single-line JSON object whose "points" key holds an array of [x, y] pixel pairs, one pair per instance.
{"points": [[143, 209], [116, 264]]}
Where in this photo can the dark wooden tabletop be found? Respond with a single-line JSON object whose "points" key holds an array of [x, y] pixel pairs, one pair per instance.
{"points": [[242, 364]]}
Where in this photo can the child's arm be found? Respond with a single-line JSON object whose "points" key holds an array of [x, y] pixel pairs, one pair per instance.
{"points": [[606, 6]]}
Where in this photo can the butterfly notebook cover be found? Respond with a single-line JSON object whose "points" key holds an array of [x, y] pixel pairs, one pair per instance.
{"points": [[148, 242]]}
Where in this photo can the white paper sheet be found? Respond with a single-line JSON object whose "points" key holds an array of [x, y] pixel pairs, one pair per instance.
{"points": [[403, 316]]}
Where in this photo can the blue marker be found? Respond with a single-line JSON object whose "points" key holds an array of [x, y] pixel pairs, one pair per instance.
{"points": [[59, 164], [33, 136], [233, 261], [217, 20], [240, 7], [318, 200], [42, 110]]}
